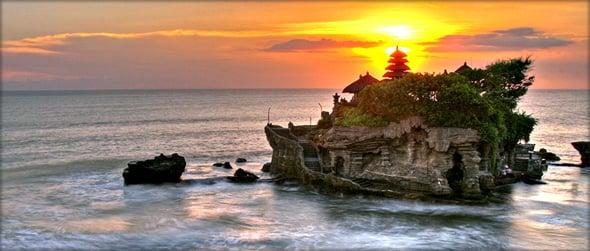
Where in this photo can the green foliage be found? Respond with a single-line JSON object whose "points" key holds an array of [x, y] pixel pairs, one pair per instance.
{"points": [[519, 127], [355, 117], [481, 99]]}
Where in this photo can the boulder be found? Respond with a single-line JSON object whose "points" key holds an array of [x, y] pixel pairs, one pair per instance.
{"points": [[227, 165], [532, 181], [243, 176], [549, 156], [583, 148], [266, 167], [218, 164], [158, 170], [241, 160]]}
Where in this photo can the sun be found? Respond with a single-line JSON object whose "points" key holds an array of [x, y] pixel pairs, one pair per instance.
{"points": [[397, 31]]}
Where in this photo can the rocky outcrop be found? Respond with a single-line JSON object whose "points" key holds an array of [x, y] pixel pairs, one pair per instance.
{"points": [[527, 163], [549, 156], [406, 156], [159, 170], [401, 158], [583, 148], [243, 176]]}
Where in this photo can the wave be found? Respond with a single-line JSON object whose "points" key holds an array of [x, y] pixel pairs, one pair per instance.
{"points": [[61, 168]]}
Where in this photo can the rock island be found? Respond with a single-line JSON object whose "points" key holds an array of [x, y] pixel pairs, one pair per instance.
{"points": [[412, 135]]}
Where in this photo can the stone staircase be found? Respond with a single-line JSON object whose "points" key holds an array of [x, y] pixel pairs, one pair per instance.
{"points": [[310, 155]]}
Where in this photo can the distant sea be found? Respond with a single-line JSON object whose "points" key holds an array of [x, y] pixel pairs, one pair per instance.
{"points": [[63, 153]]}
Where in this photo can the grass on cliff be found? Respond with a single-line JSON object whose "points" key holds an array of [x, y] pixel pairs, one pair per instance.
{"points": [[481, 99]]}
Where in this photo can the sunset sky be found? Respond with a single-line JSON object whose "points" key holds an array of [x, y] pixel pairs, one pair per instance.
{"points": [[158, 45]]}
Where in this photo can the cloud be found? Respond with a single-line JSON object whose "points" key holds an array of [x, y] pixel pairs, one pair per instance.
{"points": [[39, 45], [28, 76], [520, 38], [322, 44], [28, 50]]}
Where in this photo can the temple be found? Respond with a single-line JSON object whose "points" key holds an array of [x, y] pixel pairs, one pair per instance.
{"points": [[358, 85], [463, 68], [405, 159], [397, 67]]}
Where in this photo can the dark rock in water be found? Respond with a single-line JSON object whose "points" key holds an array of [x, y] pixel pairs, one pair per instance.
{"points": [[241, 160], [549, 156], [266, 167], [155, 171], [583, 148], [218, 164], [531, 181], [227, 165], [243, 176]]}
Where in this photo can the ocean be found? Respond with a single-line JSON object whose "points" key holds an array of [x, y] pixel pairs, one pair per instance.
{"points": [[63, 154]]}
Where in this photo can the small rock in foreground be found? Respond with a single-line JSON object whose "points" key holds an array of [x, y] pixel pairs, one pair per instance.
{"points": [[227, 165], [243, 176], [158, 170], [241, 160], [549, 156]]}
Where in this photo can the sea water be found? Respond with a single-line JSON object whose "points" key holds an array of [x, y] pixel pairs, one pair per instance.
{"points": [[63, 154]]}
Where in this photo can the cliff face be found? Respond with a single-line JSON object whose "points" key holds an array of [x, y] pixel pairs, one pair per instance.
{"points": [[404, 157]]}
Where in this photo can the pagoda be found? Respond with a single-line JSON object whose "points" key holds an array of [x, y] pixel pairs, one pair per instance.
{"points": [[397, 67]]}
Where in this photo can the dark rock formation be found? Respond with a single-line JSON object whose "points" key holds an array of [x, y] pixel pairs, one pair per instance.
{"points": [[583, 148], [218, 164], [243, 176], [406, 159], [227, 165], [241, 160], [525, 161], [266, 167], [532, 181], [549, 156], [155, 171]]}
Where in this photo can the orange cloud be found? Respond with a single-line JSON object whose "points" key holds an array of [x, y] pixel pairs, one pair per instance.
{"points": [[21, 76], [35, 45], [28, 50], [308, 45]]}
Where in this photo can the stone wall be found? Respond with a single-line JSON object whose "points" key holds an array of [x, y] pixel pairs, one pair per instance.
{"points": [[405, 156], [288, 162]]}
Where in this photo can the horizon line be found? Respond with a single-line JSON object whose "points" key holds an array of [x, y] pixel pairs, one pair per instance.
{"points": [[214, 89]]}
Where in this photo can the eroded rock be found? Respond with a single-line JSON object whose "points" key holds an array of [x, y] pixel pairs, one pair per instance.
{"points": [[243, 176], [549, 156], [583, 148], [405, 157], [159, 170]]}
